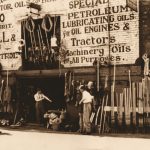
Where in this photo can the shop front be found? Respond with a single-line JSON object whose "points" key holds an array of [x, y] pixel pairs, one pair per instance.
{"points": [[110, 115], [58, 49], [51, 87], [59, 87]]}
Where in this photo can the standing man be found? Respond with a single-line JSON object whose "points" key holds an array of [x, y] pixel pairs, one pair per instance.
{"points": [[79, 107], [87, 99], [39, 97], [92, 91]]}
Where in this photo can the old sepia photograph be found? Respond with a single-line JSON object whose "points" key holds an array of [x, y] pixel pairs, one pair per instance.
{"points": [[75, 74]]}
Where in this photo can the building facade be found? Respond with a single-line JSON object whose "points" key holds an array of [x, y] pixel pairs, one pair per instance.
{"points": [[55, 44]]}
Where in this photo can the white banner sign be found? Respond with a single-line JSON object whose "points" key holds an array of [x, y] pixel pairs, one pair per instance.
{"points": [[103, 29], [11, 14], [10, 35], [100, 29]]}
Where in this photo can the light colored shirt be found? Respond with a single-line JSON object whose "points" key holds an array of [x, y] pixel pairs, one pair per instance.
{"points": [[39, 97], [86, 97]]}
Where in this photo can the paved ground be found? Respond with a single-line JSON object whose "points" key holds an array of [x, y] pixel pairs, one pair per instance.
{"points": [[35, 140]]}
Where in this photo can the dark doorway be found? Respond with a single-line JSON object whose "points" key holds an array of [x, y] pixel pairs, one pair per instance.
{"points": [[52, 87]]}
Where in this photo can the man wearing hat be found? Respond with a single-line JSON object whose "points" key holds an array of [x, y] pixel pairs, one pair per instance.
{"points": [[92, 91], [87, 100], [39, 97]]}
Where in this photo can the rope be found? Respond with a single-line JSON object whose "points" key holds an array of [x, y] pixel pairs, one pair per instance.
{"points": [[55, 22], [28, 27], [34, 39], [31, 39], [43, 25], [40, 32], [59, 67], [39, 38]]}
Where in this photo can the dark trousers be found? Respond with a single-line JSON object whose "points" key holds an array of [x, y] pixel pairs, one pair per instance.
{"points": [[8, 107], [39, 112]]}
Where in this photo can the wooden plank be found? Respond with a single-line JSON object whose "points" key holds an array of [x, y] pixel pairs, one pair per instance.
{"points": [[121, 70], [121, 74], [134, 103]]}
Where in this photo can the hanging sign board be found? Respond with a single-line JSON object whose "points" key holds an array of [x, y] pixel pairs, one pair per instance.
{"points": [[10, 34], [103, 29], [107, 30], [12, 12]]}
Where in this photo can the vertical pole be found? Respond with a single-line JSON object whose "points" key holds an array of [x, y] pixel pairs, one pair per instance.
{"points": [[25, 48], [98, 74], [109, 63], [7, 78]]}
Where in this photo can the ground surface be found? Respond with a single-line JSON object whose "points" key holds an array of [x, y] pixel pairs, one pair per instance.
{"points": [[37, 140]]}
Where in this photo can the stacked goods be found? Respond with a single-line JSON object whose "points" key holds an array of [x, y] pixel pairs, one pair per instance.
{"points": [[120, 109], [128, 110], [132, 109], [54, 120], [123, 112]]}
